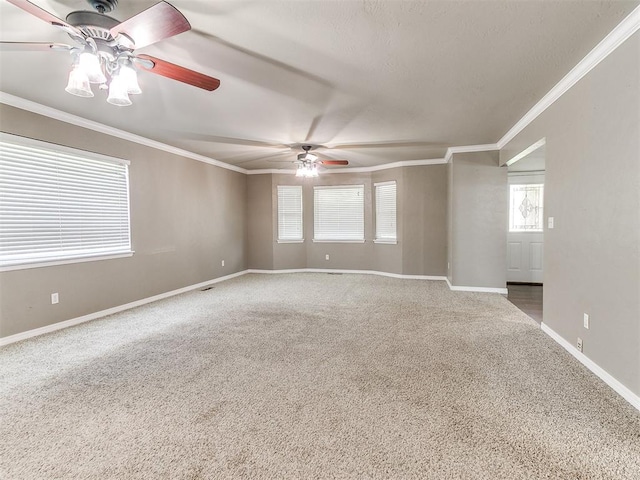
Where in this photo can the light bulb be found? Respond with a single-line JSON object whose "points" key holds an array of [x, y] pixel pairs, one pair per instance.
{"points": [[79, 83], [130, 79], [118, 92], [91, 66]]}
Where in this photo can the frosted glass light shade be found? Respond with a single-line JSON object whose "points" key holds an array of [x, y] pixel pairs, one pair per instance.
{"points": [[79, 83], [118, 92], [130, 79], [91, 66], [307, 171]]}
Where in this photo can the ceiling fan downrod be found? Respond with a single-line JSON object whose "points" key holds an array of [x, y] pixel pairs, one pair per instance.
{"points": [[103, 6]]}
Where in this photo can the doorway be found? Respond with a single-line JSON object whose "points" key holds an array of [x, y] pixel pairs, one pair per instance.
{"points": [[525, 234]]}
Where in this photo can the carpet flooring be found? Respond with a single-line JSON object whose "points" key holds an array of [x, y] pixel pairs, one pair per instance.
{"points": [[310, 376]]}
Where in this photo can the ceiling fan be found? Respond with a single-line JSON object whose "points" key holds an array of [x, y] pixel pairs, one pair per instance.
{"points": [[103, 52], [308, 162]]}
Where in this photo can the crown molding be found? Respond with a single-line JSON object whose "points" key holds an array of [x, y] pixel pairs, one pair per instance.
{"points": [[616, 37], [28, 105], [386, 166], [268, 171], [487, 147]]}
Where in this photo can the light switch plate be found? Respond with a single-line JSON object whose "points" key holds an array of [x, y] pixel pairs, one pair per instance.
{"points": [[550, 222]]}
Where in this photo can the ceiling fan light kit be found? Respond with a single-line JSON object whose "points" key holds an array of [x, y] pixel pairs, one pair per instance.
{"points": [[308, 163], [110, 72], [104, 51]]}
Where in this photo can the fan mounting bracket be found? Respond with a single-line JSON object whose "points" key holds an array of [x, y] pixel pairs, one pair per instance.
{"points": [[103, 6]]}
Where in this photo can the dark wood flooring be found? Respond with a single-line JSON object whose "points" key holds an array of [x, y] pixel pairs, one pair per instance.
{"points": [[527, 298]]}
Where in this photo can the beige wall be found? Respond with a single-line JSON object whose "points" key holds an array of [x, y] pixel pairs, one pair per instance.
{"points": [[449, 221], [478, 217], [424, 220], [186, 217], [592, 189], [421, 223], [260, 224]]}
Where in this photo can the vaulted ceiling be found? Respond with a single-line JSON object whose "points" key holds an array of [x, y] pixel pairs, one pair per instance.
{"points": [[372, 81]]}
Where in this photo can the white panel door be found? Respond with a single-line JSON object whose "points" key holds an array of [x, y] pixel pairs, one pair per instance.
{"points": [[525, 249], [524, 257]]}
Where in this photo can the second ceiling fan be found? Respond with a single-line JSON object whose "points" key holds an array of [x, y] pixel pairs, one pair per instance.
{"points": [[308, 162]]}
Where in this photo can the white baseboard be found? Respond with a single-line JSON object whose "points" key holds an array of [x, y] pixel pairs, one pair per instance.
{"points": [[110, 311], [623, 391], [502, 291], [456, 288], [337, 270]]}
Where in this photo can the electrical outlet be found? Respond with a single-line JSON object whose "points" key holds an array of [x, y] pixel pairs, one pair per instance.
{"points": [[54, 298], [550, 222], [223, 263], [586, 321], [326, 257], [579, 344]]}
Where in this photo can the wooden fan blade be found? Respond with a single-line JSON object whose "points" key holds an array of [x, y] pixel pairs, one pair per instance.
{"points": [[42, 14], [32, 46], [156, 23], [176, 72], [334, 162]]}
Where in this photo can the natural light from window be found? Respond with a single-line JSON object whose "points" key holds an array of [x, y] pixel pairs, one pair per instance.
{"points": [[526, 208], [59, 204]]}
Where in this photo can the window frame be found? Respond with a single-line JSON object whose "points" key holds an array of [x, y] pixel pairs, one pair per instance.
{"points": [[377, 238], [316, 188], [290, 240], [68, 255]]}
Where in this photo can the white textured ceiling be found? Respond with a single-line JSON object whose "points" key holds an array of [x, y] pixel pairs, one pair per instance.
{"points": [[374, 81]]}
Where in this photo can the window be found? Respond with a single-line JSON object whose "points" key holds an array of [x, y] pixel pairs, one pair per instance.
{"points": [[59, 204], [385, 212], [289, 214], [338, 213], [526, 208]]}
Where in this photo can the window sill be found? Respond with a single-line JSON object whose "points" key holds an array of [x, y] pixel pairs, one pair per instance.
{"points": [[386, 242], [290, 241], [66, 261], [337, 241]]}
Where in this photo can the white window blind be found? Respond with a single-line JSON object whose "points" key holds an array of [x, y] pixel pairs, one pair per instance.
{"points": [[385, 212], [339, 213], [290, 213], [58, 203], [526, 208]]}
